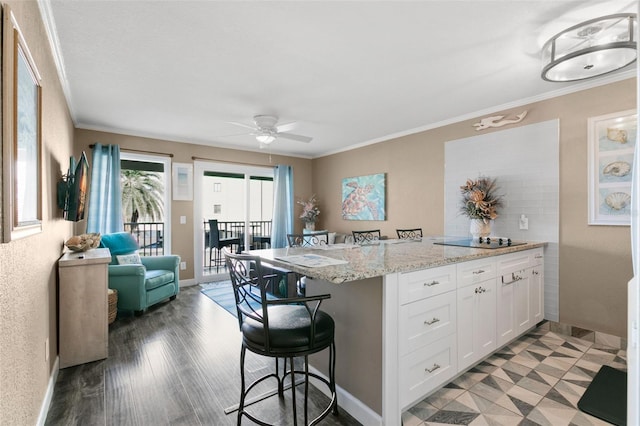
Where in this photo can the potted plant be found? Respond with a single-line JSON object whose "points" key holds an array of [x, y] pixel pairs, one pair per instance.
{"points": [[480, 204]]}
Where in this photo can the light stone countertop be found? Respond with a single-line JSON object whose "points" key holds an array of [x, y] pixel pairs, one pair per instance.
{"points": [[384, 257]]}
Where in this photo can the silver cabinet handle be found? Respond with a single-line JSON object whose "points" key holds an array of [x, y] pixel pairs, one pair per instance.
{"points": [[539, 256], [479, 271], [432, 369], [514, 278], [433, 321], [432, 283]]}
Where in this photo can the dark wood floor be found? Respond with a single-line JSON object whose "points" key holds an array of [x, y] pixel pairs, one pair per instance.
{"points": [[177, 364]]}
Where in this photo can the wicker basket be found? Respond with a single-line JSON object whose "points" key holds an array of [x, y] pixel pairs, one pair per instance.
{"points": [[113, 304]]}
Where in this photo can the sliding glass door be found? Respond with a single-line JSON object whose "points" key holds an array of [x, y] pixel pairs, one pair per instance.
{"points": [[239, 199]]}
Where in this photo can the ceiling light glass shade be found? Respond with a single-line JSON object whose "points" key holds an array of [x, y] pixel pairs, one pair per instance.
{"points": [[266, 138], [592, 48]]}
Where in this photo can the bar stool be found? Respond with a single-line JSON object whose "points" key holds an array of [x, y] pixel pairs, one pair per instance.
{"points": [[280, 328]]}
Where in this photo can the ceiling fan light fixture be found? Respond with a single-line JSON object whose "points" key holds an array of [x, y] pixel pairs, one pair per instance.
{"points": [[265, 138], [590, 49]]}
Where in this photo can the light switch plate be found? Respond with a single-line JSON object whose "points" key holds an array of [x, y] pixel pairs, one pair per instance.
{"points": [[524, 222], [183, 220]]}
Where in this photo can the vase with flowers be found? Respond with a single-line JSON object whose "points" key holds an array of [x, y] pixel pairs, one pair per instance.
{"points": [[310, 212], [480, 203]]}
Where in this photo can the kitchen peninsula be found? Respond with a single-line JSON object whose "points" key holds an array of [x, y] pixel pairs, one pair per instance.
{"points": [[412, 315]]}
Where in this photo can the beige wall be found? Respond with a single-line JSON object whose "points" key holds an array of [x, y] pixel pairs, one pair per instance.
{"points": [[595, 261], [28, 266], [182, 238]]}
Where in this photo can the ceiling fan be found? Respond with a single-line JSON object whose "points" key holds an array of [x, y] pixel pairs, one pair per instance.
{"points": [[266, 130]]}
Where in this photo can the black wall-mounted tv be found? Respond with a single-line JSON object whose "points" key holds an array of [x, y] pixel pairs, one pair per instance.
{"points": [[74, 190]]}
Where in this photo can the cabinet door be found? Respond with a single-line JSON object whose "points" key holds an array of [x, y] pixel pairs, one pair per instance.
{"points": [[505, 312], [485, 338], [522, 296], [476, 322], [466, 320], [537, 294]]}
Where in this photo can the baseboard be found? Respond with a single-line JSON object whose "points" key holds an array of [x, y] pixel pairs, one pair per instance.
{"points": [[347, 402], [187, 283], [48, 396]]}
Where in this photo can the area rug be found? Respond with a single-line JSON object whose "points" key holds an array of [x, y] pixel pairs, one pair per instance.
{"points": [[222, 293], [606, 396]]}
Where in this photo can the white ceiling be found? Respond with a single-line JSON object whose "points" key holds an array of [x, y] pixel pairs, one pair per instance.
{"points": [[349, 73]]}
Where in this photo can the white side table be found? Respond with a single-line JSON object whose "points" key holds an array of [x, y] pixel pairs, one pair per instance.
{"points": [[82, 306]]}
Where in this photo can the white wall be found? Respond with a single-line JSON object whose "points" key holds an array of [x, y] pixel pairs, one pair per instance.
{"points": [[525, 162]]}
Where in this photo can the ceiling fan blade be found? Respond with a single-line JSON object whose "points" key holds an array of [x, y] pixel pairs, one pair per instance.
{"points": [[286, 127], [242, 125], [294, 137]]}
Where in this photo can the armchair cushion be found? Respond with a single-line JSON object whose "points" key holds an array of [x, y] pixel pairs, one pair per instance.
{"points": [[157, 278]]}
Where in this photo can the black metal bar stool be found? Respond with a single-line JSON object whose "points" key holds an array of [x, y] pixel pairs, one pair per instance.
{"points": [[280, 328]]}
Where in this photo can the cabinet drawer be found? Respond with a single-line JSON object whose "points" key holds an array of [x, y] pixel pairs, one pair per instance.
{"points": [[427, 320], [513, 262], [424, 370], [475, 271], [427, 282], [537, 257]]}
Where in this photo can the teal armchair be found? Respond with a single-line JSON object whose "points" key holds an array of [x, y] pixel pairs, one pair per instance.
{"points": [[141, 281]]}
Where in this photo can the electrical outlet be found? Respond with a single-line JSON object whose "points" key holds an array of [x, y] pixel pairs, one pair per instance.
{"points": [[524, 222], [46, 349], [183, 266]]}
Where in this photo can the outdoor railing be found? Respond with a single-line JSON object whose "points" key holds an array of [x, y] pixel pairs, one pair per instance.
{"points": [[260, 235], [150, 237]]}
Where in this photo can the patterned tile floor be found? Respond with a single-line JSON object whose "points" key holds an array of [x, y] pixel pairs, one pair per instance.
{"points": [[536, 380]]}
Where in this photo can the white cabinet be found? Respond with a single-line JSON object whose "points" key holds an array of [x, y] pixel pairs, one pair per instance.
{"points": [[476, 322], [453, 316], [427, 331], [520, 293]]}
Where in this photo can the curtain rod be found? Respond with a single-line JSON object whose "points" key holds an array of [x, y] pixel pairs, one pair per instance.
{"points": [[141, 151], [194, 158]]}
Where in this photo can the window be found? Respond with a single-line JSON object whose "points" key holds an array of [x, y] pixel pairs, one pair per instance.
{"points": [[146, 193]]}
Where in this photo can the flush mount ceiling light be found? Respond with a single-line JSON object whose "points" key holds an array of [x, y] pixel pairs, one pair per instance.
{"points": [[590, 49]]}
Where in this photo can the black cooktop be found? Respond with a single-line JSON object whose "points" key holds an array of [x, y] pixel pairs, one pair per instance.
{"points": [[486, 243]]}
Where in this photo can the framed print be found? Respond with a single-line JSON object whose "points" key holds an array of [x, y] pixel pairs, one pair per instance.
{"points": [[612, 140], [22, 118], [183, 181], [363, 197]]}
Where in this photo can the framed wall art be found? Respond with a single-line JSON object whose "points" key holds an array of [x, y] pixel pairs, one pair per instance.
{"points": [[183, 181], [363, 197], [21, 132], [612, 140]]}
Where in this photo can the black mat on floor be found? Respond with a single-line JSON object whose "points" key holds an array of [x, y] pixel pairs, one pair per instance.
{"points": [[606, 396]]}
